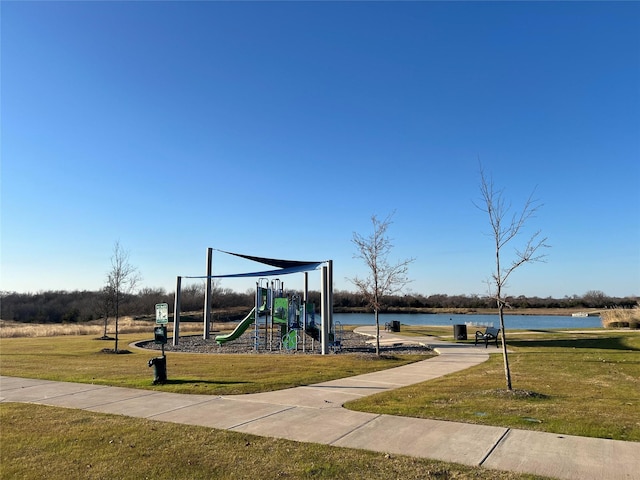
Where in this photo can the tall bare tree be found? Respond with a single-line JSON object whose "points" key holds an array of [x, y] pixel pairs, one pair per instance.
{"points": [[505, 226], [122, 280], [384, 278]]}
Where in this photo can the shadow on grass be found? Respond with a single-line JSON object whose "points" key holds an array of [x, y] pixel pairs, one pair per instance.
{"points": [[604, 343], [201, 382], [120, 351]]}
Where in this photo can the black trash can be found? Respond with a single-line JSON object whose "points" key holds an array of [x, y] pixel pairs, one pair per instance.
{"points": [[460, 332], [159, 365], [395, 325]]}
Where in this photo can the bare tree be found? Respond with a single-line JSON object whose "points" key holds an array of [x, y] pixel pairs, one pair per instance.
{"points": [[105, 307], [121, 282], [504, 228], [384, 278]]}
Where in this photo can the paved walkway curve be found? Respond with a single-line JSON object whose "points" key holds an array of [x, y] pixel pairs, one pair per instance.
{"points": [[314, 413]]}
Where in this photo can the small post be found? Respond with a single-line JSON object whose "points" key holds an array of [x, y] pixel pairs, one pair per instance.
{"points": [[159, 363]]}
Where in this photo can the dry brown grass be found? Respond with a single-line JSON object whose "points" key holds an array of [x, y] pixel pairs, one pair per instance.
{"points": [[619, 317], [11, 329]]}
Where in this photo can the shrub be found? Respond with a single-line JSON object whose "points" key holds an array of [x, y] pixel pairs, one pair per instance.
{"points": [[621, 318]]}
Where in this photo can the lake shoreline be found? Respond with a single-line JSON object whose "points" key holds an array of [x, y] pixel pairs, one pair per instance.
{"points": [[472, 311], [514, 321]]}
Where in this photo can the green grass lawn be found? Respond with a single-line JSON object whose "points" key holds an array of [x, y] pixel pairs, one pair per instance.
{"points": [[80, 359], [572, 383], [58, 444]]}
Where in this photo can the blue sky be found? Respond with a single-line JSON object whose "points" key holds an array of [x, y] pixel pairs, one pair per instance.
{"points": [[278, 129]]}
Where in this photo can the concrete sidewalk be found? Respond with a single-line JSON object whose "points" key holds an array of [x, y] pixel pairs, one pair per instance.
{"points": [[314, 414]]}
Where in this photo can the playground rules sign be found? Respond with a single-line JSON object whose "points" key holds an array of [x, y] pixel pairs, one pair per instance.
{"points": [[162, 313]]}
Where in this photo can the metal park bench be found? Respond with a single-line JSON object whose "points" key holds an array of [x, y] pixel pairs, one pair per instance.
{"points": [[490, 334]]}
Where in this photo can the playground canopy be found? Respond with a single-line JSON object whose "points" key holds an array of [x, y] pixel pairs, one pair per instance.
{"points": [[285, 267]]}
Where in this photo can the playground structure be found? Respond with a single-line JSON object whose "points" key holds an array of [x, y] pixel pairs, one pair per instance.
{"points": [[279, 320]]}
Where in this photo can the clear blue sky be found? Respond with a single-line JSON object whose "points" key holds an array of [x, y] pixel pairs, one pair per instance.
{"points": [[278, 129]]}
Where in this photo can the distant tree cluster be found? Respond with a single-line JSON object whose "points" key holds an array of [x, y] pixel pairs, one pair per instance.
{"points": [[50, 307], [84, 306]]}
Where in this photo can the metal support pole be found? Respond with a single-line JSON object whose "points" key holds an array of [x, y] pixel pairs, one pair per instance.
{"points": [[324, 331], [176, 312], [330, 295], [305, 299], [256, 328], [207, 297]]}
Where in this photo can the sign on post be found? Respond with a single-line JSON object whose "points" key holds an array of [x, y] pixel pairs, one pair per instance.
{"points": [[162, 313], [160, 336]]}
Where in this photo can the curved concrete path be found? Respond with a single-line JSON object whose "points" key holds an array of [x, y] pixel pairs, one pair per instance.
{"points": [[314, 414]]}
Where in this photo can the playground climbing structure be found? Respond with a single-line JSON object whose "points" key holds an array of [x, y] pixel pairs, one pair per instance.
{"points": [[279, 320]]}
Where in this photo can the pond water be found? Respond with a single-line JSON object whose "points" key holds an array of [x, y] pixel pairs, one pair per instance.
{"points": [[529, 322]]}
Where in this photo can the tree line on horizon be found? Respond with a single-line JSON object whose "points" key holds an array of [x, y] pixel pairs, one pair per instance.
{"points": [[84, 306]]}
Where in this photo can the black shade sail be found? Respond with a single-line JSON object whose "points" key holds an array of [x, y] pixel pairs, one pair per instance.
{"points": [[285, 267]]}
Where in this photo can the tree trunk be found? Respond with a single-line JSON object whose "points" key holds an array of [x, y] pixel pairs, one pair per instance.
{"points": [[377, 333], [116, 346], [507, 371]]}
